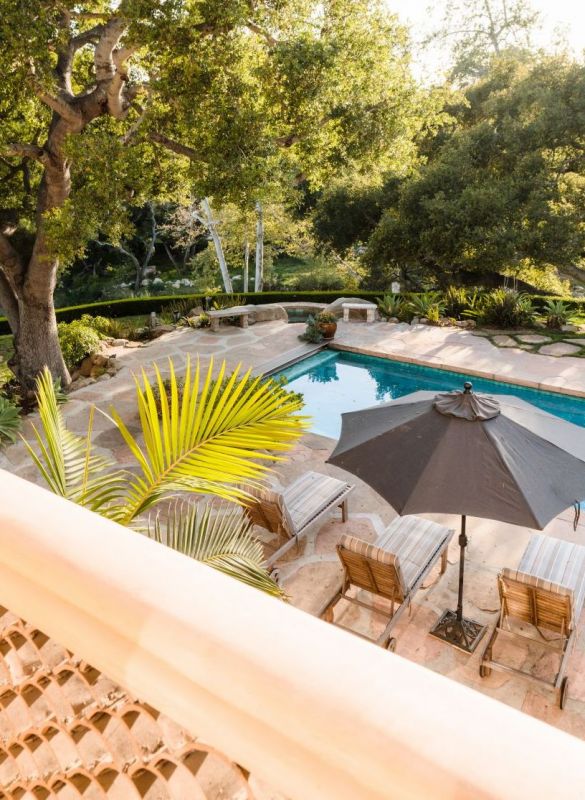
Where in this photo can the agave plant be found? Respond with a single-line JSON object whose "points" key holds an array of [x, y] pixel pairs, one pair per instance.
{"points": [[215, 436], [557, 313], [391, 305], [429, 305]]}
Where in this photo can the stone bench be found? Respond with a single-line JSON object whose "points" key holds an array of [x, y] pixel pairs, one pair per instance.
{"points": [[370, 309], [237, 311]]}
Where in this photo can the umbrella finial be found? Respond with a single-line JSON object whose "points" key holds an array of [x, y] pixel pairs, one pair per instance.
{"points": [[466, 404]]}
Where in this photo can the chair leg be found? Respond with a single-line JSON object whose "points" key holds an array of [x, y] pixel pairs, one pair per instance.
{"points": [[344, 511], [443, 561]]}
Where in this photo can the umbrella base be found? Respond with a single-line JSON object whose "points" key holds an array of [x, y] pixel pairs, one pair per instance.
{"points": [[464, 634]]}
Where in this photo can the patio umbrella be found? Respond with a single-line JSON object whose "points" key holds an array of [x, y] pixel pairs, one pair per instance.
{"points": [[495, 457]]}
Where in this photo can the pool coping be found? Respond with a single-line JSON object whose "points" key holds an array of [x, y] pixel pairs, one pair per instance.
{"points": [[494, 376], [297, 354]]}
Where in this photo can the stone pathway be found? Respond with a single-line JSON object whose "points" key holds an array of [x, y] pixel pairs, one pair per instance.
{"points": [[308, 577], [557, 345]]}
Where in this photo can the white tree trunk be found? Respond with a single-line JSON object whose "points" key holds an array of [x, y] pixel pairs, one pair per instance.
{"points": [[259, 278], [246, 265], [211, 227]]}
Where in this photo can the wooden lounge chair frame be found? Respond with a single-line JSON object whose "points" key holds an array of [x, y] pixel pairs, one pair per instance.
{"points": [[543, 609], [380, 580], [270, 512]]}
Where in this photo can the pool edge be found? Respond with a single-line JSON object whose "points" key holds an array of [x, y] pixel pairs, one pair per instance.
{"points": [[493, 376]]}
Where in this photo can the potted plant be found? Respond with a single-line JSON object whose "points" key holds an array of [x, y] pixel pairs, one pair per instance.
{"points": [[327, 324]]}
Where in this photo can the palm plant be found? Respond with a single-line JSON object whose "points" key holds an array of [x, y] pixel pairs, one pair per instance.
{"points": [[222, 540], [213, 436]]}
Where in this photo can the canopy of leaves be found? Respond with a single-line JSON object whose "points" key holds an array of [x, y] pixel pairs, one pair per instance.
{"points": [[252, 96], [507, 183]]}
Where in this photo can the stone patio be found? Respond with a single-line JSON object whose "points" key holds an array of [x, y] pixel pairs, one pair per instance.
{"points": [[310, 576]]}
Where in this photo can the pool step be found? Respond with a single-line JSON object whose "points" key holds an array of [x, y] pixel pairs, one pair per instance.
{"points": [[288, 358]]}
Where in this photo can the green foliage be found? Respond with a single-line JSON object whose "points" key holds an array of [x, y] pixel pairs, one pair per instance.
{"points": [[216, 440], [312, 332], [325, 317], [502, 185], [220, 538], [101, 325], [505, 309], [77, 341], [9, 420], [456, 300], [200, 321], [429, 305], [229, 301], [391, 305], [557, 313]]}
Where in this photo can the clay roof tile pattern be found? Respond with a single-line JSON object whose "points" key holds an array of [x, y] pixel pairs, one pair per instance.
{"points": [[68, 732]]}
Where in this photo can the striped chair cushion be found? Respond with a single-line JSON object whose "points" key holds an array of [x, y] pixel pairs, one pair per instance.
{"points": [[271, 511], [374, 553], [309, 496], [415, 542], [553, 565]]}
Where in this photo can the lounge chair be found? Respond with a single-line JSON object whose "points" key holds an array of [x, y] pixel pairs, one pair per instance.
{"points": [[394, 568], [296, 509], [547, 590]]}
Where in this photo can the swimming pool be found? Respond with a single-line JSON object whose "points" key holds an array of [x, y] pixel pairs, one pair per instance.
{"points": [[333, 382]]}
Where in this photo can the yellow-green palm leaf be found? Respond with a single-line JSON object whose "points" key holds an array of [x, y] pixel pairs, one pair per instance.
{"points": [[222, 540], [214, 438], [66, 461]]}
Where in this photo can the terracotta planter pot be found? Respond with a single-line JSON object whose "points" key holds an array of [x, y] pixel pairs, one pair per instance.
{"points": [[328, 329]]}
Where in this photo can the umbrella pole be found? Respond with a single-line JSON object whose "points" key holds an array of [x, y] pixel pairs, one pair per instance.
{"points": [[452, 626], [462, 546]]}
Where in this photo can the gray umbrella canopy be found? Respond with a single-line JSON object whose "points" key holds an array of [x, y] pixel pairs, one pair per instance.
{"points": [[460, 453], [494, 457]]}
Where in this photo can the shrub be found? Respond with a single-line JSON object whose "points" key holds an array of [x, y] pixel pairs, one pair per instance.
{"points": [[505, 308], [229, 301], [391, 305], [429, 305], [456, 301], [101, 325], [326, 317], [9, 420], [557, 313], [200, 321], [77, 341], [312, 333]]}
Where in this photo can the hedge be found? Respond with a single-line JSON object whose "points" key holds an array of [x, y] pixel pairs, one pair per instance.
{"points": [[134, 306]]}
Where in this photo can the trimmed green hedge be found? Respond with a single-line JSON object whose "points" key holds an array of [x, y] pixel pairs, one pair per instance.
{"points": [[134, 306]]}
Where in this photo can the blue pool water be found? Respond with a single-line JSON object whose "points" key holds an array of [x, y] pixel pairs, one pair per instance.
{"points": [[333, 382]]}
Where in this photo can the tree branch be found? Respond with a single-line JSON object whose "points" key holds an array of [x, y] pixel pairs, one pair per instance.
{"points": [[105, 67], [59, 106], [175, 147], [67, 54], [24, 150], [11, 261], [268, 37]]}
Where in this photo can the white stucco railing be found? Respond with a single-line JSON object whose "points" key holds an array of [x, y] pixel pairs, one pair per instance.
{"points": [[317, 713]]}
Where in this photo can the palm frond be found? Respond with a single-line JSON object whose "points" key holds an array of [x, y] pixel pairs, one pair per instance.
{"points": [[220, 538], [214, 438], [66, 461]]}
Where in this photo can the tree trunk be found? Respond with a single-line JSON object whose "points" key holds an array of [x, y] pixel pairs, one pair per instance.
{"points": [[36, 344], [211, 227], [259, 277], [246, 265]]}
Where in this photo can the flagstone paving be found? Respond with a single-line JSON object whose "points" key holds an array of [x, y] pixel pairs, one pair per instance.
{"points": [[309, 577]]}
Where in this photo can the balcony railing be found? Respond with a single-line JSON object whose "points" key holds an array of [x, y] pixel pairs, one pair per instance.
{"points": [[309, 709]]}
